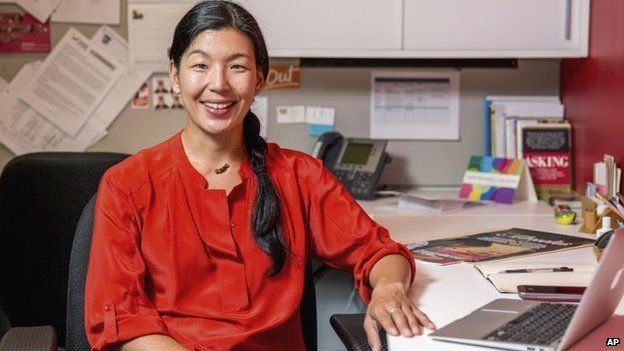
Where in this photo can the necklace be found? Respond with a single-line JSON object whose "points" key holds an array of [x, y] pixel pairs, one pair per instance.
{"points": [[222, 169]]}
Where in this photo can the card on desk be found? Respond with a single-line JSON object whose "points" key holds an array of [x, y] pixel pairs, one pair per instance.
{"points": [[497, 179], [506, 276]]}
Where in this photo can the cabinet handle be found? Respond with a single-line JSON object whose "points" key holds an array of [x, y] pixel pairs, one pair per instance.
{"points": [[568, 19]]}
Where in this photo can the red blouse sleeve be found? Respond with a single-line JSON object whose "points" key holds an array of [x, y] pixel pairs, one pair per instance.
{"points": [[344, 236], [116, 306]]}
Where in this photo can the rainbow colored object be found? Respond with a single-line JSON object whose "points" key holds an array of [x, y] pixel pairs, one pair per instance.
{"points": [[485, 175]]}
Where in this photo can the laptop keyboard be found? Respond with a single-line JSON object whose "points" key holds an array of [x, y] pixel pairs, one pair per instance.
{"points": [[541, 325]]}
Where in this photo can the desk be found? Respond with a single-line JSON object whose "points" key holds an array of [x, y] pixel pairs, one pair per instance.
{"points": [[447, 293]]}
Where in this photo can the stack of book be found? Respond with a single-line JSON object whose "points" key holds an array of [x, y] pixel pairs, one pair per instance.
{"points": [[532, 128]]}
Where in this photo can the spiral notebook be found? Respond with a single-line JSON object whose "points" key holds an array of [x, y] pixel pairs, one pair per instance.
{"points": [[507, 282]]}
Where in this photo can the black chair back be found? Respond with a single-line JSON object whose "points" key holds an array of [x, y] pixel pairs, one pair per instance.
{"points": [[41, 198]]}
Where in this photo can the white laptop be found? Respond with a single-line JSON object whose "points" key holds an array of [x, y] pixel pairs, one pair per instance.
{"points": [[532, 325]]}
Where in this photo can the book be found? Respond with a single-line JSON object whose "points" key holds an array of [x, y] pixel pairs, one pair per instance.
{"points": [[547, 151], [494, 272], [493, 245], [498, 108], [496, 179]]}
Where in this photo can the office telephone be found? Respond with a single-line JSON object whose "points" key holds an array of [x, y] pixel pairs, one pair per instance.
{"points": [[356, 162]]}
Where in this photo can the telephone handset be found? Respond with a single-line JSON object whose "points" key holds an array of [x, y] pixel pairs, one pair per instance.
{"points": [[356, 162]]}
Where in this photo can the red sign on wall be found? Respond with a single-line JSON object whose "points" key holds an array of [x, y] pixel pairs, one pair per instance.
{"points": [[21, 32]]}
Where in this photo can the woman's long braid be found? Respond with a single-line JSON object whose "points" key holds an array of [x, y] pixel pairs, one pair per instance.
{"points": [[266, 220]]}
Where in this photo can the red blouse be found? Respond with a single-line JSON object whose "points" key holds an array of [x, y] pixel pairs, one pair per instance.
{"points": [[171, 257]]}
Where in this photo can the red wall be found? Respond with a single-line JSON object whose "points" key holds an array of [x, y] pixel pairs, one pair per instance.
{"points": [[592, 90]]}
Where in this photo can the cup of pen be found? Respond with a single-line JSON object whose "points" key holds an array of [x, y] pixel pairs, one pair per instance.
{"points": [[564, 214]]}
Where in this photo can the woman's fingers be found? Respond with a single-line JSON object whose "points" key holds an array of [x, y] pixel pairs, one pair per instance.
{"points": [[412, 320], [423, 319], [400, 319], [372, 333]]}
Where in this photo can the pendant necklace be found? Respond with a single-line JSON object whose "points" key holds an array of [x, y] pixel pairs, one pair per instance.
{"points": [[222, 169]]}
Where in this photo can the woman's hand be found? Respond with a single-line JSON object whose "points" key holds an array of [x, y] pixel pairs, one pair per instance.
{"points": [[391, 309]]}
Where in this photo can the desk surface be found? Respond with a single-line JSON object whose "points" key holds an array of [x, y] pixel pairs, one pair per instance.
{"points": [[447, 293]]}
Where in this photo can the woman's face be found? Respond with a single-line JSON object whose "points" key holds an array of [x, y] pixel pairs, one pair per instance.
{"points": [[217, 80]]}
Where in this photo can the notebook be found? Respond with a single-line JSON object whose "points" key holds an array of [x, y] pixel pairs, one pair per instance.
{"points": [[530, 325], [507, 282]]}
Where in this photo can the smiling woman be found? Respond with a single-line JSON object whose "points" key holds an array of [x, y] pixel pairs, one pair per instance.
{"points": [[201, 242]]}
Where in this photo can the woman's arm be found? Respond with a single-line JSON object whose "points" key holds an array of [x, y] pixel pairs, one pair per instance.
{"points": [[389, 306], [153, 342]]}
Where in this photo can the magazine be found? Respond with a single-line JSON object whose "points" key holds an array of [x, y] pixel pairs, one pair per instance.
{"points": [[493, 245]]}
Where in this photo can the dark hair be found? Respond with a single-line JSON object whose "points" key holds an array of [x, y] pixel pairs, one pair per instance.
{"points": [[216, 15]]}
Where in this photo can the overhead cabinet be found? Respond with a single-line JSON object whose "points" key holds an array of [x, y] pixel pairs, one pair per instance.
{"points": [[423, 28], [496, 28], [326, 27]]}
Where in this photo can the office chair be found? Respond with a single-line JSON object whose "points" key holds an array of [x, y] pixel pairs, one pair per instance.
{"points": [[41, 198], [350, 330], [43, 338]]}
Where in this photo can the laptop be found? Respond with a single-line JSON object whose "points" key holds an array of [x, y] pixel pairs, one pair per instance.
{"points": [[532, 325]]}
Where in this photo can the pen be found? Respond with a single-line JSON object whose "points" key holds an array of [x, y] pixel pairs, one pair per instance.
{"points": [[536, 270]]}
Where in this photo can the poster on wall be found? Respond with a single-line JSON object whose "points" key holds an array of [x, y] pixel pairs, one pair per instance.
{"points": [[21, 32]]}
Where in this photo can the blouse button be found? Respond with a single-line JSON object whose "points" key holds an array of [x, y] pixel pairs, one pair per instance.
{"points": [[108, 307], [232, 224]]}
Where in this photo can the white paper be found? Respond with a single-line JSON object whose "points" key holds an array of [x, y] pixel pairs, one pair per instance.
{"points": [[40, 9], [320, 115], [107, 40], [150, 31], [260, 107], [23, 130], [72, 82], [415, 105], [290, 114], [87, 11]]}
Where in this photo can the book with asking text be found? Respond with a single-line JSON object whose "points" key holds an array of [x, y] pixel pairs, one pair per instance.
{"points": [[547, 151]]}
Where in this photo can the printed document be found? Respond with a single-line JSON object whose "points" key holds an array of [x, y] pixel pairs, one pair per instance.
{"points": [[150, 31], [415, 105], [87, 11], [72, 82], [109, 41], [40, 9], [23, 130]]}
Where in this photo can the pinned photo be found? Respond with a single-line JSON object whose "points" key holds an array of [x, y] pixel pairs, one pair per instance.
{"points": [[141, 98]]}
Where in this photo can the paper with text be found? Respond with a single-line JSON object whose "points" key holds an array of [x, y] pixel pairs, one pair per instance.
{"points": [[415, 105], [40, 9], [23, 130], [72, 82], [260, 107], [87, 11], [150, 31], [107, 40]]}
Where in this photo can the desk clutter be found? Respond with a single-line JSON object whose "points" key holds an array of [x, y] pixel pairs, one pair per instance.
{"points": [[493, 245], [603, 204], [506, 276], [533, 129]]}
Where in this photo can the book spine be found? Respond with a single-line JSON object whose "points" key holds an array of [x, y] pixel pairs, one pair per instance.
{"points": [[487, 140]]}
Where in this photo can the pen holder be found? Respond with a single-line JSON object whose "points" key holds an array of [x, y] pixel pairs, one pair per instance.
{"points": [[589, 216]]}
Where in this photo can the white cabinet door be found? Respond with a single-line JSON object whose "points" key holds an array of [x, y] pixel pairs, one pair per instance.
{"points": [[496, 28], [331, 28]]}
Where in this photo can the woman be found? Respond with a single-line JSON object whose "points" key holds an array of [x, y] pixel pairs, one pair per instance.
{"points": [[201, 242]]}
